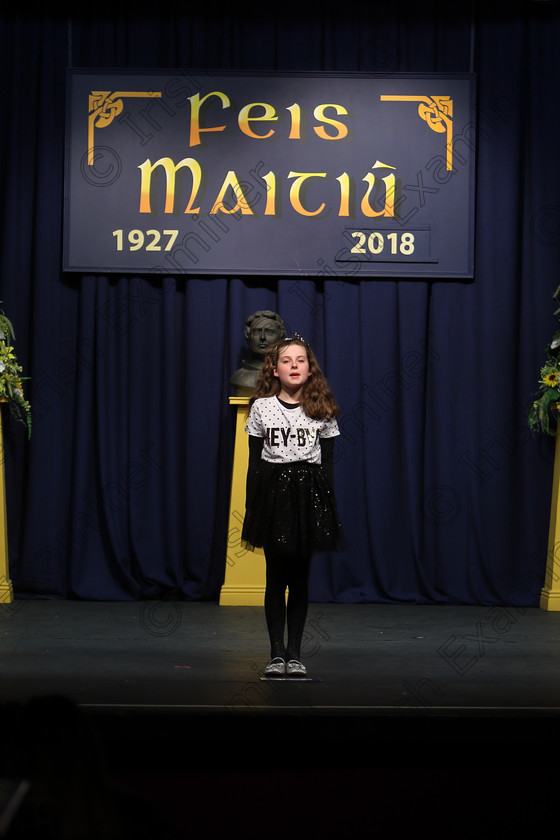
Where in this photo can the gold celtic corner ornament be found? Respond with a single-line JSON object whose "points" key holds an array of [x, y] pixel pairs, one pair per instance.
{"points": [[104, 106], [437, 112]]}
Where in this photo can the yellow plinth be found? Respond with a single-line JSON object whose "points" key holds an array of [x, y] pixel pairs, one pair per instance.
{"points": [[550, 593], [244, 582], [6, 589]]}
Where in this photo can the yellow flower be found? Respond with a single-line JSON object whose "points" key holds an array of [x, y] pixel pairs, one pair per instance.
{"points": [[550, 378]]}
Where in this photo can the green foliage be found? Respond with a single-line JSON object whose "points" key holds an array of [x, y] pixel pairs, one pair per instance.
{"points": [[11, 378]]}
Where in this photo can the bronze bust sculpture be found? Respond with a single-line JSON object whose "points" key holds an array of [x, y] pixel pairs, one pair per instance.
{"points": [[262, 329]]}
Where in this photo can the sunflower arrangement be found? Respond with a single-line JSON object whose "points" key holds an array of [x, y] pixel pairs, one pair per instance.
{"points": [[544, 412], [11, 379]]}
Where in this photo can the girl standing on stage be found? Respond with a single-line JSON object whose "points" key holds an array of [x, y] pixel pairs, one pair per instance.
{"points": [[290, 505]]}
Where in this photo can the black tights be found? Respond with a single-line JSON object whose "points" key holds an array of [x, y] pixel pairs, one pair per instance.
{"points": [[281, 573]]}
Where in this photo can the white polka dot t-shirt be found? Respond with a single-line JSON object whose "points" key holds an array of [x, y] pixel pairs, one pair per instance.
{"points": [[289, 434]]}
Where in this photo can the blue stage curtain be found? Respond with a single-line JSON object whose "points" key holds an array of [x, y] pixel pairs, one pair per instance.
{"points": [[122, 491]]}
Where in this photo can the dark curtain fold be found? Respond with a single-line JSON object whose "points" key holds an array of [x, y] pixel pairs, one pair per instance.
{"points": [[122, 492]]}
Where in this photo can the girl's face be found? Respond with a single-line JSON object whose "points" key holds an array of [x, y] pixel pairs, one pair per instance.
{"points": [[292, 368]]}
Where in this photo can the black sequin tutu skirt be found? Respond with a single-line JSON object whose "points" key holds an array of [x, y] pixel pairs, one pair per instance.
{"points": [[292, 510]]}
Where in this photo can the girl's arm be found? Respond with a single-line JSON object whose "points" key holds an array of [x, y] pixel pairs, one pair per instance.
{"points": [[255, 451], [327, 452]]}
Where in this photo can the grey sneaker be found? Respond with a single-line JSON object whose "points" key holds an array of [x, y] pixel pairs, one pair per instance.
{"points": [[294, 668], [275, 668]]}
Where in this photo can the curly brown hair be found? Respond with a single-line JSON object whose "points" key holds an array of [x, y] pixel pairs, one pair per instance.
{"points": [[317, 399]]}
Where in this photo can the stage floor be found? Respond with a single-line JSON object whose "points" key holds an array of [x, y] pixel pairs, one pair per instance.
{"points": [[378, 668], [413, 715]]}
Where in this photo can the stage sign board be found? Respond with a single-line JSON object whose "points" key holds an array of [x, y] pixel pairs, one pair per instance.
{"points": [[324, 174]]}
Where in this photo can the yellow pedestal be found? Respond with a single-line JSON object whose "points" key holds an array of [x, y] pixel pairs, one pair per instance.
{"points": [[550, 593], [6, 589], [244, 582]]}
